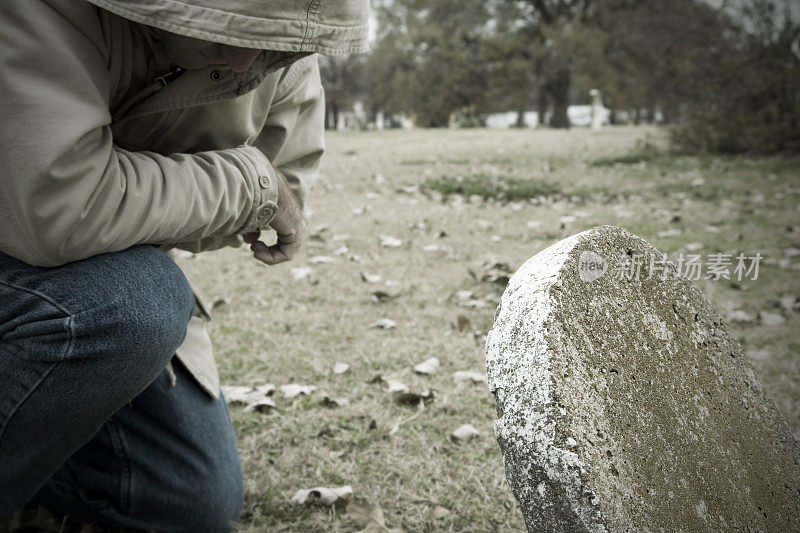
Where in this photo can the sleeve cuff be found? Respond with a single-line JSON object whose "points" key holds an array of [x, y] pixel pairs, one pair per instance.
{"points": [[265, 191]]}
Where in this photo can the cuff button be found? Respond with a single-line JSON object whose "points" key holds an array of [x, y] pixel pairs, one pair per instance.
{"points": [[264, 182]]}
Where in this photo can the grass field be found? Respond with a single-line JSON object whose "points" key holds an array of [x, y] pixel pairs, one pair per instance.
{"points": [[428, 189]]}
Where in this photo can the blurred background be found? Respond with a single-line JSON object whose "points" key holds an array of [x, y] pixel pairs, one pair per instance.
{"points": [[722, 75]]}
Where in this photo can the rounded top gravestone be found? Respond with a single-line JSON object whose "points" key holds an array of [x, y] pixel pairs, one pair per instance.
{"points": [[624, 404]]}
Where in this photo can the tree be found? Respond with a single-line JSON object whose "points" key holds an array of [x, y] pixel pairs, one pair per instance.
{"points": [[343, 79], [429, 59]]}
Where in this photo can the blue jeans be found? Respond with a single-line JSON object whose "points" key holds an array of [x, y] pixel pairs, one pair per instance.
{"points": [[90, 426]]}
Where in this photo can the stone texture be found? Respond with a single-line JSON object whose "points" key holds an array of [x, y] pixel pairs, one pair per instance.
{"points": [[626, 405]]}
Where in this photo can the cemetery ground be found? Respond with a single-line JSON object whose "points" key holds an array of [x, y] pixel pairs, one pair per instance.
{"points": [[413, 235]]}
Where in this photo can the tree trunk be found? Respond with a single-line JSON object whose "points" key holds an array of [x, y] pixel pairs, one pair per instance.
{"points": [[520, 117], [559, 90], [541, 106]]}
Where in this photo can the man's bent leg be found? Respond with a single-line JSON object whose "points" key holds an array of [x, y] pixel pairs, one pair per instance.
{"points": [[168, 461], [77, 342]]}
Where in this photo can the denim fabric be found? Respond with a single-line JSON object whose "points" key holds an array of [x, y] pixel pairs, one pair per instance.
{"points": [[87, 416]]}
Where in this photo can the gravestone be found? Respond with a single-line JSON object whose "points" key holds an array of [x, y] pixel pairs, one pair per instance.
{"points": [[624, 404]]}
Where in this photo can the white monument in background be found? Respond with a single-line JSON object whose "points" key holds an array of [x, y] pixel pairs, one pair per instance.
{"points": [[597, 109]]}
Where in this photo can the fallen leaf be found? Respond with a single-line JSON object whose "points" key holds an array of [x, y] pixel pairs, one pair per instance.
{"points": [[414, 398], [336, 454], [329, 401], [383, 323], [370, 278], [468, 376], [464, 433], [388, 241], [261, 405], [340, 368], [301, 272], [220, 301], [266, 389], [382, 296], [463, 323], [436, 512], [394, 386], [465, 295], [236, 393], [321, 495], [294, 389], [321, 259], [252, 399], [429, 366], [370, 518]]}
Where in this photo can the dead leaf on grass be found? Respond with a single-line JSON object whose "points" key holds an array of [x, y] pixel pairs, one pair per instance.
{"points": [[301, 273], [261, 405], [329, 401], [415, 398], [436, 512], [394, 386], [340, 368], [220, 301], [370, 278], [382, 296], [389, 241], [322, 495], [464, 433], [337, 454], [370, 518], [383, 323], [321, 259], [429, 366], [468, 376], [295, 389], [463, 323], [252, 399]]}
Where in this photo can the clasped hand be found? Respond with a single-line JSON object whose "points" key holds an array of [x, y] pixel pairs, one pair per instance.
{"points": [[289, 224]]}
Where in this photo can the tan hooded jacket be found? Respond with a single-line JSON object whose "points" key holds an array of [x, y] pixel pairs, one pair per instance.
{"points": [[105, 145]]}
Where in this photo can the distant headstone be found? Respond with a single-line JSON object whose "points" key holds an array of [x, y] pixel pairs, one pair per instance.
{"points": [[624, 404], [597, 107]]}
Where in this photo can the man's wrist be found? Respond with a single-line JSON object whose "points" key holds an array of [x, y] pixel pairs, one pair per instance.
{"points": [[265, 192]]}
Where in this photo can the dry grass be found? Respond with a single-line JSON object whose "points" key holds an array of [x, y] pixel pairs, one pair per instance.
{"points": [[280, 330]]}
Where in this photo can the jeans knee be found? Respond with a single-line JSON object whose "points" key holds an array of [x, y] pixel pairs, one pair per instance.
{"points": [[144, 306], [159, 301]]}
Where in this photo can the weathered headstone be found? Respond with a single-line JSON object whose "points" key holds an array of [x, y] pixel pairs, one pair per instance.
{"points": [[624, 404]]}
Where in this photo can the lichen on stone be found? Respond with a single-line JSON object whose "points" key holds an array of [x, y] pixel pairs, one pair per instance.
{"points": [[625, 404]]}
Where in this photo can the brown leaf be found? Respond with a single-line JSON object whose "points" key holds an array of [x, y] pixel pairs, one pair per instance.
{"points": [[463, 323], [370, 518], [414, 398], [436, 512], [322, 495]]}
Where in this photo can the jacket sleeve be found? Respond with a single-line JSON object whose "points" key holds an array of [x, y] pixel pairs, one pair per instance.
{"points": [[293, 134], [66, 191]]}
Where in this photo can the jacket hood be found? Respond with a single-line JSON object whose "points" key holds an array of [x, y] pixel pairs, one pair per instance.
{"points": [[331, 27]]}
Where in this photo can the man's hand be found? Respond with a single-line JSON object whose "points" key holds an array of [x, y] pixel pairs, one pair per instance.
{"points": [[290, 225]]}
